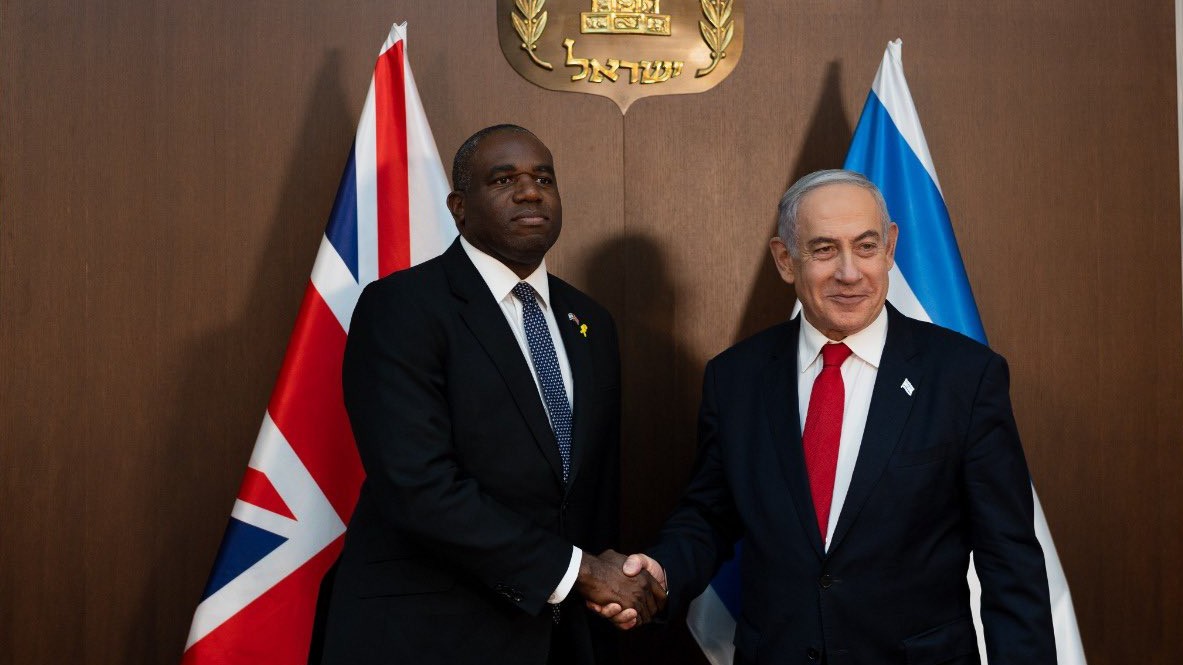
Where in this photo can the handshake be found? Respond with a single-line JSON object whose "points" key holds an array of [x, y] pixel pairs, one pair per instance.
{"points": [[628, 591]]}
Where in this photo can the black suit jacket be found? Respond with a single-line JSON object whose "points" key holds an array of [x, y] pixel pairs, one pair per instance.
{"points": [[464, 527], [940, 473]]}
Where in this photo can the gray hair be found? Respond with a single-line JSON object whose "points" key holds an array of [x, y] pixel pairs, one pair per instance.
{"points": [[790, 203]]}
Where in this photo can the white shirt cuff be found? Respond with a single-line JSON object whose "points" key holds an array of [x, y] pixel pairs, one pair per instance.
{"points": [[568, 581]]}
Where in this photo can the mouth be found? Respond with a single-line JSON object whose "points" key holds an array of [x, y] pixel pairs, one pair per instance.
{"points": [[530, 218], [847, 299]]}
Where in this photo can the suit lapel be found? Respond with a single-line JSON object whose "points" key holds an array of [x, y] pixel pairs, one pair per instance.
{"points": [[781, 406], [486, 321], [890, 405], [582, 378]]}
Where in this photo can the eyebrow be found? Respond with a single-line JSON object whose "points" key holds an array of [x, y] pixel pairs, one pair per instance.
{"points": [[502, 168], [862, 236]]}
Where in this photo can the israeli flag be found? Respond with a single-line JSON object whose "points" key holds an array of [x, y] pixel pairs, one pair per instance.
{"points": [[928, 282]]}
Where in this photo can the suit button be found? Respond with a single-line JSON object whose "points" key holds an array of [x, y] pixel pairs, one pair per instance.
{"points": [[812, 653], [825, 581]]}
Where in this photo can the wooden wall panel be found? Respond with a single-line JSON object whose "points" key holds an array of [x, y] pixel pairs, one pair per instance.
{"points": [[43, 318], [166, 170]]}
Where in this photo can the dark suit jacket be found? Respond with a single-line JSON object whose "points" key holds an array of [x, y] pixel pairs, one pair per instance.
{"points": [[463, 527], [940, 473]]}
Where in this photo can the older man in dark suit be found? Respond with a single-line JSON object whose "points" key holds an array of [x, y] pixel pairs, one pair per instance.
{"points": [[484, 396], [862, 456]]}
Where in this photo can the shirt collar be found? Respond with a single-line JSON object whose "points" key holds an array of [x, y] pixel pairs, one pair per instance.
{"points": [[501, 280], [867, 343]]}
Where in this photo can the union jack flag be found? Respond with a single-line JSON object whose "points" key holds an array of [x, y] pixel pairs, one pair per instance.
{"points": [[301, 484]]}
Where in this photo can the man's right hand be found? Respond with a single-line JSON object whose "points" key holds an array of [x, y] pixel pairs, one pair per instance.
{"points": [[626, 617], [608, 587]]}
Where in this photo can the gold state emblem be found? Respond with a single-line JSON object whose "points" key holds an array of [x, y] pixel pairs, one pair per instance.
{"points": [[625, 17], [622, 49]]}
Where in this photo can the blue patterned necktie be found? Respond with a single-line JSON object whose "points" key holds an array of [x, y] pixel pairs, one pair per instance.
{"points": [[546, 364]]}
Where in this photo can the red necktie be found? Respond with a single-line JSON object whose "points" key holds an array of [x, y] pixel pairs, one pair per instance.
{"points": [[823, 430]]}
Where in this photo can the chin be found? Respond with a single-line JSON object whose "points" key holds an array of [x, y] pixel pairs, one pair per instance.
{"points": [[538, 243], [529, 253], [846, 325], [856, 326]]}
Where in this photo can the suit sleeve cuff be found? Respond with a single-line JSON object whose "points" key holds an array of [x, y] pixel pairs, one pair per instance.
{"points": [[568, 581]]}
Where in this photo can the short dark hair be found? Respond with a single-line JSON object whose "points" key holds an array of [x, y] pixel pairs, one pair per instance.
{"points": [[462, 162]]}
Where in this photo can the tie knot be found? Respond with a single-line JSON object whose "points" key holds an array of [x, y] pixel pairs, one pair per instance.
{"points": [[524, 292], [833, 355]]}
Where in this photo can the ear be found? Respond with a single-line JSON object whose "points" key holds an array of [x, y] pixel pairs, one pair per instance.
{"points": [[893, 233], [783, 260], [456, 207]]}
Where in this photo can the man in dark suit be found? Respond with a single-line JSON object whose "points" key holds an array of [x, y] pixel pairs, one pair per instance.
{"points": [[484, 396], [862, 456]]}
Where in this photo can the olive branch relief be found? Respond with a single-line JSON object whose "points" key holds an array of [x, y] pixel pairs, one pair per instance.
{"points": [[530, 26], [717, 31]]}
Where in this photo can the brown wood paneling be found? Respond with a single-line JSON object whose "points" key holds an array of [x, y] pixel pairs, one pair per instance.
{"points": [[166, 170], [43, 325]]}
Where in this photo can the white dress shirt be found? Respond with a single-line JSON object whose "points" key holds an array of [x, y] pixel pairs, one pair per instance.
{"points": [[858, 379], [501, 280]]}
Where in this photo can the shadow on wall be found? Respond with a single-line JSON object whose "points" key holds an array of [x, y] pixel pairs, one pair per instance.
{"points": [[770, 300], [227, 378], [660, 382], [659, 391]]}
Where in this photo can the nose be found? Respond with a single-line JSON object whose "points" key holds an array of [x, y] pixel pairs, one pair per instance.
{"points": [[848, 271], [526, 189]]}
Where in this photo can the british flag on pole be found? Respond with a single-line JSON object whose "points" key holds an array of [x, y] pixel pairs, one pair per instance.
{"points": [[301, 483]]}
